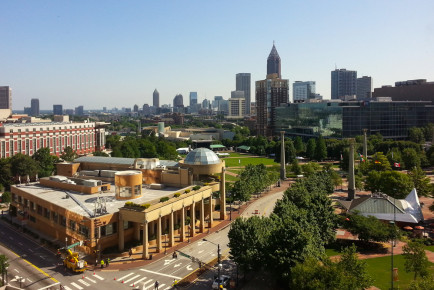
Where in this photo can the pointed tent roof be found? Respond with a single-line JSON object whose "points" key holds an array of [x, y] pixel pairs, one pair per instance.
{"points": [[273, 54]]}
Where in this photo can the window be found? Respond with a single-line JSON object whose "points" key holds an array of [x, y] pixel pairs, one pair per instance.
{"points": [[83, 230], [46, 213], [32, 219], [72, 225], [11, 148], [109, 229], [127, 225], [55, 217], [62, 220], [20, 199], [39, 209], [14, 197], [32, 206]]}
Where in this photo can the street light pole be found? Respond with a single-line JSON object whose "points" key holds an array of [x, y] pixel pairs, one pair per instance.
{"points": [[219, 265]]}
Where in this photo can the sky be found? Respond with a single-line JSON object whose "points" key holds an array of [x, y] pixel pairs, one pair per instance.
{"points": [[115, 53]]}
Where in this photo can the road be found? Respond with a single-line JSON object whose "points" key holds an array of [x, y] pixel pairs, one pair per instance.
{"points": [[41, 268]]}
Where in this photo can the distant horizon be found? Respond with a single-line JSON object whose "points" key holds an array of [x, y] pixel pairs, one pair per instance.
{"points": [[115, 55]]}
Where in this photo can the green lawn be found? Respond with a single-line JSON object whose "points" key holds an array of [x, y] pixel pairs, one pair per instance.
{"points": [[429, 248], [241, 162], [332, 252], [231, 178], [237, 171], [236, 154], [379, 269]]}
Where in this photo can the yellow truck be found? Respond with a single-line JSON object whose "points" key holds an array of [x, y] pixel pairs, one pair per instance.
{"points": [[72, 261]]}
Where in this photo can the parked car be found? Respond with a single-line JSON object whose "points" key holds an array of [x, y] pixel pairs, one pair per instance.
{"points": [[224, 280]]}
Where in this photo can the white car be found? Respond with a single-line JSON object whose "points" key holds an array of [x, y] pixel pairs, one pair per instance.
{"points": [[224, 280]]}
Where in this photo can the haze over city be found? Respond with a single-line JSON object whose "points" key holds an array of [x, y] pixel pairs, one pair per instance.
{"points": [[114, 54]]}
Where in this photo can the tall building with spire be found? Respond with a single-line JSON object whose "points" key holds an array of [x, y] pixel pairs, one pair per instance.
{"points": [[273, 63], [156, 99], [270, 94]]}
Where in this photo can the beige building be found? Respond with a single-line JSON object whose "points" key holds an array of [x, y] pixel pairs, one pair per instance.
{"points": [[122, 202]]}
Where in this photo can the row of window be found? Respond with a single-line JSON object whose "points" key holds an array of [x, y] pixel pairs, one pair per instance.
{"points": [[52, 128]]}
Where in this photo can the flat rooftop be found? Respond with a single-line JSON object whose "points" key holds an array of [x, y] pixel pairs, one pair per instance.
{"points": [[58, 197]]}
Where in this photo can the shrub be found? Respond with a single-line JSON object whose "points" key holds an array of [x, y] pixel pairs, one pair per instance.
{"points": [[187, 191], [206, 184], [146, 205], [163, 199], [196, 187], [177, 194]]}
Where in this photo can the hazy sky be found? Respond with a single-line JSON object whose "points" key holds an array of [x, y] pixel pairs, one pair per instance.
{"points": [[115, 53]]}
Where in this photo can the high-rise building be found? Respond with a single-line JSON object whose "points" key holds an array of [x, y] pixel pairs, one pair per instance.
{"points": [[243, 83], [273, 63], [270, 94], [28, 111], [344, 83], [34, 107], [79, 111], [136, 108], [5, 102], [156, 99], [178, 103], [206, 104], [57, 110], [302, 91], [364, 87], [146, 110], [237, 105], [237, 94], [411, 90], [193, 99]]}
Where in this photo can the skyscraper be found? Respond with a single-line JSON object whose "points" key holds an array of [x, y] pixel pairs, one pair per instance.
{"points": [[344, 83], [34, 107], [243, 83], [301, 91], [193, 99], [270, 93], [178, 103], [57, 110], [156, 99], [273, 63], [5, 102], [364, 87], [79, 111]]}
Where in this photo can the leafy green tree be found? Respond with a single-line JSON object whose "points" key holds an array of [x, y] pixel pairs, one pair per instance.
{"points": [[299, 145], [295, 167], [69, 154], [416, 135], [379, 163], [369, 229], [6, 197], [421, 182], [355, 274], [410, 158], [5, 173], [22, 165], [46, 162], [426, 283], [415, 259], [289, 151], [311, 148], [100, 153], [310, 168], [247, 242], [3, 266], [392, 183], [320, 149]]}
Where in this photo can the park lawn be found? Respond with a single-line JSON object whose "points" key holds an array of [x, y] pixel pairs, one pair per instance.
{"points": [[429, 248], [379, 269], [242, 162], [236, 154], [231, 178], [234, 170], [332, 252]]}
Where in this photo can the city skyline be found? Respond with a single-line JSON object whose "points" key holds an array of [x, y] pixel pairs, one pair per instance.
{"points": [[117, 55]]}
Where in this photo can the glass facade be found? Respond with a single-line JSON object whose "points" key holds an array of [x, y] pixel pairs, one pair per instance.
{"points": [[348, 119]]}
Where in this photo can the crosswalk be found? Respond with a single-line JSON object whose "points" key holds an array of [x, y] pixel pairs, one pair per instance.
{"points": [[83, 282]]}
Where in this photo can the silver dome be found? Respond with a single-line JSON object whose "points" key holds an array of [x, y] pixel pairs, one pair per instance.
{"points": [[201, 156]]}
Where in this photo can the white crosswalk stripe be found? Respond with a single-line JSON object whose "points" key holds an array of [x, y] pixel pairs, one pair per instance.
{"points": [[99, 277], [120, 279], [137, 282], [170, 287], [67, 288], [76, 286], [83, 282], [135, 277], [93, 281]]}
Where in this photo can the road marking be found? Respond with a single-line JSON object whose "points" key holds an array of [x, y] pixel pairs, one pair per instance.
{"points": [[99, 277], [135, 277], [21, 244], [17, 270], [93, 281], [67, 288], [76, 286], [3, 233], [137, 282], [49, 286], [42, 257], [30, 250], [170, 287], [11, 238], [167, 262], [83, 282], [161, 285], [201, 251], [161, 274], [120, 279], [32, 281], [200, 243], [189, 268], [177, 265]]}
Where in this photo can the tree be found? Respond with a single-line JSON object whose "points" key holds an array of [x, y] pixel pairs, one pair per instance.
{"points": [[69, 154], [355, 274], [46, 161], [369, 229], [415, 259], [247, 241], [416, 135], [22, 165], [100, 153], [421, 182], [392, 183], [379, 163], [299, 145], [5, 173], [427, 283], [320, 149], [410, 158], [310, 148], [289, 151], [3, 266], [295, 167]]}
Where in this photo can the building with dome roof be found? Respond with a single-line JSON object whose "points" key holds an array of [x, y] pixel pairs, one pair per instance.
{"points": [[202, 162]]}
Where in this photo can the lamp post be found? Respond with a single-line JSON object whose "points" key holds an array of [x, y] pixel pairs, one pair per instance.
{"points": [[219, 265]]}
